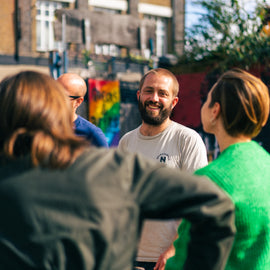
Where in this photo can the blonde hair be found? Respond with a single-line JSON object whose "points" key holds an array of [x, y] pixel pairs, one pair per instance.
{"points": [[36, 119], [244, 102]]}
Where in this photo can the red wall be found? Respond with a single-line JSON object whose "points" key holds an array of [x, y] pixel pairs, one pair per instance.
{"points": [[187, 111]]}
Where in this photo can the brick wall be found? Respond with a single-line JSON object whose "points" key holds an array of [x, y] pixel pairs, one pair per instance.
{"points": [[7, 29], [27, 9], [7, 43]]}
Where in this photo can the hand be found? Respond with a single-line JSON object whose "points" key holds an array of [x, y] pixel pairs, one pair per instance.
{"points": [[160, 265]]}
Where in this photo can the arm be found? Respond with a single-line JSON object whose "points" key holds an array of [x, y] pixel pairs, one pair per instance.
{"points": [[121, 144], [193, 153], [169, 193], [99, 138], [168, 253]]}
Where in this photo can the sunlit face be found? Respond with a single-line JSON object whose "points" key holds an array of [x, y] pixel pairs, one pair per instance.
{"points": [[156, 100], [75, 89], [206, 115]]}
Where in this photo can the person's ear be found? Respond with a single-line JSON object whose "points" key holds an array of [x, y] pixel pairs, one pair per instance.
{"points": [[215, 110], [174, 102], [78, 102], [138, 94]]}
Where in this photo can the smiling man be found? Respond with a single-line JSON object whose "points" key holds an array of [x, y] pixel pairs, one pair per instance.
{"points": [[160, 138]]}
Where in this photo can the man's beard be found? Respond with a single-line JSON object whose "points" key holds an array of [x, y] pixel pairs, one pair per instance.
{"points": [[154, 120]]}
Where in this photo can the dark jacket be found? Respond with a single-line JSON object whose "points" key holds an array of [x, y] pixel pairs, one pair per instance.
{"points": [[89, 215]]}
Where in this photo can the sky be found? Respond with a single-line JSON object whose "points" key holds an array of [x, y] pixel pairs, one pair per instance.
{"points": [[193, 11]]}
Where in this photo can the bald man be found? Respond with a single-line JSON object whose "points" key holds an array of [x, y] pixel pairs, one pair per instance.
{"points": [[76, 89]]}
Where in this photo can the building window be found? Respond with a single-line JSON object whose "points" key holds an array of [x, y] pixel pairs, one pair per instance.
{"points": [[44, 25], [161, 34], [107, 49]]}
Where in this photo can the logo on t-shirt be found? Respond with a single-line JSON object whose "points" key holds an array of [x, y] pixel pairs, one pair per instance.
{"points": [[163, 157]]}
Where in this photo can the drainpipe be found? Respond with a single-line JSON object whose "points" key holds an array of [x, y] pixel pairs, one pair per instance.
{"points": [[17, 30]]}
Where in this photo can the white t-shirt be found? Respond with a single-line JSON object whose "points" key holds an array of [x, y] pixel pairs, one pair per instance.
{"points": [[177, 146]]}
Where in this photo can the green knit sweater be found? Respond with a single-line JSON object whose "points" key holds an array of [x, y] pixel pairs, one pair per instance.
{"points": [[243, 171]]}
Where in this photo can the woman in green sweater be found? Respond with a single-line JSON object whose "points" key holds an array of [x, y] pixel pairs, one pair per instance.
{"points": [[236, 109]]}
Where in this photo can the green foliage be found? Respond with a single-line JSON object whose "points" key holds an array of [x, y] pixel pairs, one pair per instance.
{"points": [[228, 35], [86, 54]]}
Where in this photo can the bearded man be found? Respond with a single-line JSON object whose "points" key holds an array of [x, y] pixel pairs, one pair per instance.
{"points": [[160, 138]]}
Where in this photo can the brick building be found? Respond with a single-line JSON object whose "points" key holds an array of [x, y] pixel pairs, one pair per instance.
{"points": [[29, 28]]}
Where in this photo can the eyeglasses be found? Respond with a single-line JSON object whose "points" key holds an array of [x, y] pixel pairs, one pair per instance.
{"points": [[74, 97]]}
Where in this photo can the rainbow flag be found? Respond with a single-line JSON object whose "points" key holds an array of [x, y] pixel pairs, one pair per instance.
{"points": [[104, 108]]}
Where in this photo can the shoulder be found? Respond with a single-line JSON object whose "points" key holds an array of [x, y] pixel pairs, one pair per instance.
{"points": [[185, 134], [82, 122], [185, 131], [93, 133], [192, 150], [208, 168], [129, 135]]}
